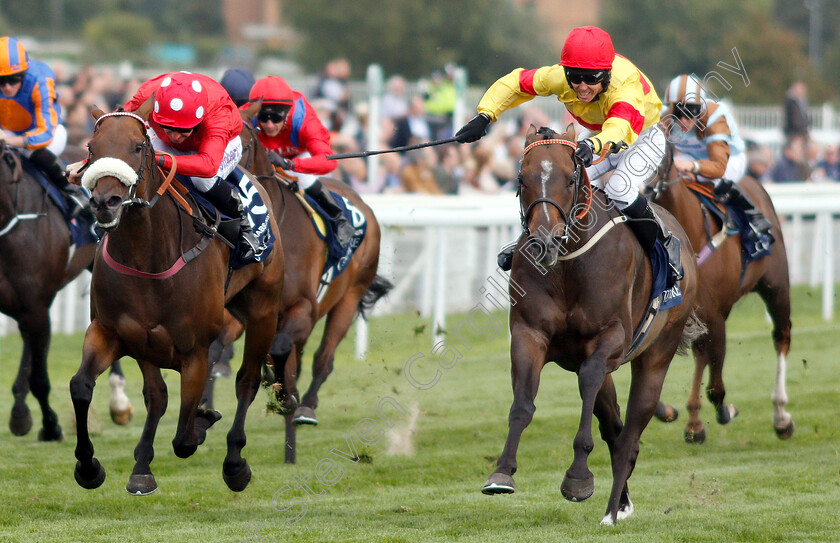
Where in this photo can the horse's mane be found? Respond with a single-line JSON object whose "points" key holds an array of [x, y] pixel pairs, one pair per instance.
{"points": [[547, 133]]}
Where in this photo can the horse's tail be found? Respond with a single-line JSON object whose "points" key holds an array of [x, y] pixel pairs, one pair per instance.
{"points": [[694, 328], [379, 288]]}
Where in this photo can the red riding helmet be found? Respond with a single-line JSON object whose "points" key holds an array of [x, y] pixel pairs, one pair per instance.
{"points": [[181, 101], [588, 47], [13, 57], [273, 90]]}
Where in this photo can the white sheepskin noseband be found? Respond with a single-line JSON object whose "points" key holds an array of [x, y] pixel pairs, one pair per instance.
{"points": [[109, 166]]}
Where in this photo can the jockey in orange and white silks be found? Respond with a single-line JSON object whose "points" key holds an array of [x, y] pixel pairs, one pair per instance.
{"points": [[707, 146], [615, 102], [704, 133], [30, 115]]}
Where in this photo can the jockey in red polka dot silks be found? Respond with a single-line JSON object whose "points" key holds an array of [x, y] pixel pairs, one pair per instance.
{"points": [[614, 102], [194, 118]]}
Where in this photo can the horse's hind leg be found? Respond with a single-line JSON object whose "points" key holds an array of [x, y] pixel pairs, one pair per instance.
{"points": [[119, 405], [338, 323], [775, 291], [527, 360], [156, 397], [101, 348]]}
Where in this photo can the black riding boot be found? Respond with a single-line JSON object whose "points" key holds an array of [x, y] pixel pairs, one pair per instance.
{"points": [[344, 230], [648, 227], [47, 162], [225, 198], [730, 193]]}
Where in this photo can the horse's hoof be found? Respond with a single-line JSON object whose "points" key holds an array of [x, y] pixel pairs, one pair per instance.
{"points": [[498, 483], [122, 416], [666, 413], [20, 422], [625, 510], [184, 450], [141, 484], [53, 434], [786, 432], [726, 413], [305, 415], [204, 420], [239, 480], [695, 437], [90, 482], [578, 490]]}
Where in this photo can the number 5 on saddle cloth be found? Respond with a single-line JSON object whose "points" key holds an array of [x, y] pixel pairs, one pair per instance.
{"points": [[254, 206]]}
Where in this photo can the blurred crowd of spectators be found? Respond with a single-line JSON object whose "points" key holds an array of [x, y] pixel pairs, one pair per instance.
{"points": [[487, 166]]}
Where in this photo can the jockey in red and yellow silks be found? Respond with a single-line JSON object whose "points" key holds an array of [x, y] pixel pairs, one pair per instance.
{"points": [[627, 107], [615, 102], [30, 116]]}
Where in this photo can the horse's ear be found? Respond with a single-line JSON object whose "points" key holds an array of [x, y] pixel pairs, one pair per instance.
{"points": [[530, 134], [146, 108], [249, 114], [570, 130], [96, 112]]}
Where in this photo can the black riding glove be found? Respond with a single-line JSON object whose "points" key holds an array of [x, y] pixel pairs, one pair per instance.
{"points": [[584, 152], [280, 161], [473, 130]]}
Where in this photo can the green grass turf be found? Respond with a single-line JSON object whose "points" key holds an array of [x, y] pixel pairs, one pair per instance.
{"points": [[743, 484]]}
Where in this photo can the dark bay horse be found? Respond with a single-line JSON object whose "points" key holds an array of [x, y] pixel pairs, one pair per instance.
{"points": [[36, 263], [356, 289], [723, 281], [578, 301], [154, 299]]}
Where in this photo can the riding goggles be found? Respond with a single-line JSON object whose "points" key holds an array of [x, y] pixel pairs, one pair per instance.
{"points": [[271, 115], [589, 77], [177, 129], [687, 111], [13, 79]]}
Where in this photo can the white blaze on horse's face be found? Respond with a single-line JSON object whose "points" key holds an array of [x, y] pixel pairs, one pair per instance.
{"points": [[108, 166], [545, 176]]}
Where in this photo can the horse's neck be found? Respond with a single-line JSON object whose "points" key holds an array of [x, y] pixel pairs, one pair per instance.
{"points": [[152, 236]]}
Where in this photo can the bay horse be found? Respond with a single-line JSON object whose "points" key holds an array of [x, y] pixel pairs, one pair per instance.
{"points": [[353, 291], [723, 281], [164, 315], [37, 262], [577, 300]]}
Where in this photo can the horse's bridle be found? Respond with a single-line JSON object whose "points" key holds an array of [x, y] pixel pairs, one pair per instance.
{"points": [[147, 145], [524, 214]]}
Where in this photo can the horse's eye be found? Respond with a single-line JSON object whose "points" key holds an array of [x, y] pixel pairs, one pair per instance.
{"points": [[139, 148]]}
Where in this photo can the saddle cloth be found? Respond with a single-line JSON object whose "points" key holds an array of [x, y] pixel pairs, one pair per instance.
{"points": [[255, 208], [338, 257], [82, 227]]}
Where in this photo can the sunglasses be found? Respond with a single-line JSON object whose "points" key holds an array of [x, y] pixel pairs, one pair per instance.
{"points": [[589, 78], [271, 116], [176, 129], [13, 79]]}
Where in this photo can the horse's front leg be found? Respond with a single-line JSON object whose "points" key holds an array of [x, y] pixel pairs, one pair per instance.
{"points": [[527, 360], [142, 481], [258, 337], [101, 348], [579, 483], [194, 369]]}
